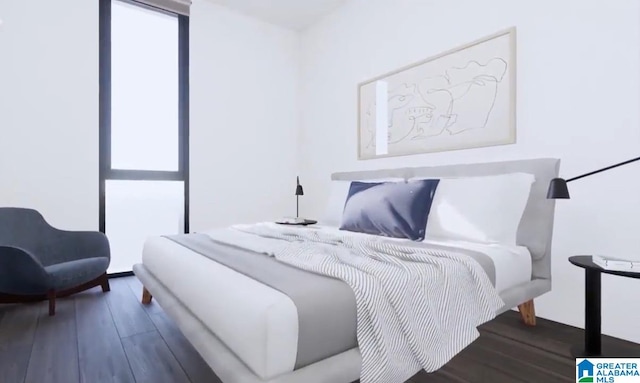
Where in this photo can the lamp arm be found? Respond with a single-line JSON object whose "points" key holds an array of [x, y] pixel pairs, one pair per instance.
{"points": [[604, 169]]}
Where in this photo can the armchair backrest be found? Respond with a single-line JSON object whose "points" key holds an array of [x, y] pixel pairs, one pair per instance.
{"points": [[23, 228]]}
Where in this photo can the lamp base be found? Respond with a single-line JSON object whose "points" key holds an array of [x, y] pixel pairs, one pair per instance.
{"points": [[291, 220], [296, 221]]}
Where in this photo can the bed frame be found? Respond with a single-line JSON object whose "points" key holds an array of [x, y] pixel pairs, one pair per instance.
{"points": [[535, 232]]}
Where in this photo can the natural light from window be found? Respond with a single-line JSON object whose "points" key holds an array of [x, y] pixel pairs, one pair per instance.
{"points": [[137, 210], [144, 131], [144, 88]]}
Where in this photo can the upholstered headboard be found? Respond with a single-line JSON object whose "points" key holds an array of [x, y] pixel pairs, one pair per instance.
{"points": [[536, 227]]}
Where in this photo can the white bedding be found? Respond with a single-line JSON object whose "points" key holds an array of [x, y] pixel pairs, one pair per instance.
{"points": [[512, 263], [260, 324]]}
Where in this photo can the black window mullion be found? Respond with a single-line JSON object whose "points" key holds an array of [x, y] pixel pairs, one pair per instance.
{"points": [[104, 136], [105, 165], [143, 175], [183, 109]]}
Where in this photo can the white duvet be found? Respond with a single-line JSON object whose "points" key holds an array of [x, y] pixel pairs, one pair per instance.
{"points": [[258, 323], [417, 307], [512, 263]]}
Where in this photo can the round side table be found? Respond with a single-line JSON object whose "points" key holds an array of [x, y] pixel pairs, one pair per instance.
{"points": [[592, 308]]}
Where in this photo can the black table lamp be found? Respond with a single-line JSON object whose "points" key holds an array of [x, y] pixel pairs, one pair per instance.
{"points": [[299, 192], [558, 186]]}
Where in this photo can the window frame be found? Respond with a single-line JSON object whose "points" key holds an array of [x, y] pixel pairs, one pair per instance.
{"points": [[106, 172]]}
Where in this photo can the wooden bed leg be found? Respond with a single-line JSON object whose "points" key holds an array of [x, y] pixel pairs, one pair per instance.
{"points": [[146, 296], [528, 313]]}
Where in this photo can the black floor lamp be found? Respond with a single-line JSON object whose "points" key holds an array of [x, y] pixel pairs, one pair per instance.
{"points": [[558, 186], [593, 291]]}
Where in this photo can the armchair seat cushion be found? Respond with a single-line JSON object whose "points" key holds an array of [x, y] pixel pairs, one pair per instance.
{"points": [[73, 273]]}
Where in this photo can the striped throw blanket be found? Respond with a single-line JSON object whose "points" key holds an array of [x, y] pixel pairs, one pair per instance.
{"points": [[416, 307]]}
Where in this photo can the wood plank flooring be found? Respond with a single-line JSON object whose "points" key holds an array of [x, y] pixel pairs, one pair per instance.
{"points": [[96, 338]]}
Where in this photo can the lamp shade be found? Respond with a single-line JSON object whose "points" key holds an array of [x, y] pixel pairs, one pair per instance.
{"points": [[299, 190], [558, 189]]}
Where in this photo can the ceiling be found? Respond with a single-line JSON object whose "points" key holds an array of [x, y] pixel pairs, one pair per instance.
{"points": [[292, 14]]}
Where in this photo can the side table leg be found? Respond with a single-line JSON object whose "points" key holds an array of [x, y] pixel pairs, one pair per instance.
{"points": [[592, 311]]}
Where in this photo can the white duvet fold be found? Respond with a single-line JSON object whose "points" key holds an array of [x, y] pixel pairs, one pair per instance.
{"points": [[416, 307]]}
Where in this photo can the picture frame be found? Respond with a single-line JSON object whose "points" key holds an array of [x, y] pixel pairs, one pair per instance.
{"points": [[462, 98]]}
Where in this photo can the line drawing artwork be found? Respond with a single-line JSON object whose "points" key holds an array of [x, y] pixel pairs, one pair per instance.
{"points": [[461, 99]]}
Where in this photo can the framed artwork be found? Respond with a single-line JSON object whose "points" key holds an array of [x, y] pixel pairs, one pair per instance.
{"points": [[460, 99]]}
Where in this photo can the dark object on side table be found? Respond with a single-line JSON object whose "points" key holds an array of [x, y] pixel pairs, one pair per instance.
{"points": [[39, 262], [592, 309]]}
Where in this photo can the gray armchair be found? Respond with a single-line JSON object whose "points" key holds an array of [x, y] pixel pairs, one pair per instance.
{"points": [[38, 261]]}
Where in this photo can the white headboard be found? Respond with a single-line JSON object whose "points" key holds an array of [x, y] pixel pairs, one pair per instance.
{"points": [[536, 227]]}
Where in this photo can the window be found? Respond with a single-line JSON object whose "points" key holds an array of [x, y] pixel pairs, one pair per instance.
{"points": [[144, 124]]}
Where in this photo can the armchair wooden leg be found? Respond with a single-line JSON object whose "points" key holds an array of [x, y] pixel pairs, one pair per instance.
{"points": [[146, 296], [104, 283], [528, 313], [51, 296]]}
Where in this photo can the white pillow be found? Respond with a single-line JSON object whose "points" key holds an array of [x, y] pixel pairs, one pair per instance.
{"points": [[338, 196], [485, 209]]}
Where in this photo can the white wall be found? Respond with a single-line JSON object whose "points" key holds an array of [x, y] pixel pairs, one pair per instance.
{"points": [[49, 109], [243, 113], [578, 97], [243, 118]]}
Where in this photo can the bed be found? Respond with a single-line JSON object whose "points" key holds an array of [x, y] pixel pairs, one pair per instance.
{"points": [[248, 330]]}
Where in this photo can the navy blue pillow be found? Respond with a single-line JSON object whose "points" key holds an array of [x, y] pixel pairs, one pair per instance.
{"points": [[392, 209]]}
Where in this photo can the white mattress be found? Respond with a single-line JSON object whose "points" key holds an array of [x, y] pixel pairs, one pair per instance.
{"points": [[260, 324]]}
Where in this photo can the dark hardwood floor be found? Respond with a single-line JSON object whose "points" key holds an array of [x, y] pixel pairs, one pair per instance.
{"points": [[96, 338]]}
